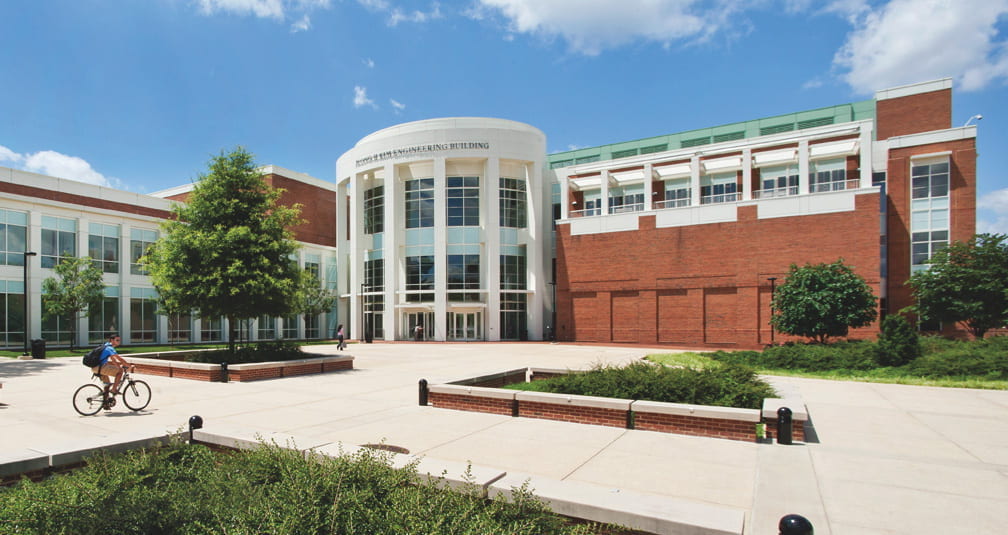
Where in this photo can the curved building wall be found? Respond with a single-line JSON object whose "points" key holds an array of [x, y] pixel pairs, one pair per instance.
{"points": [[448, 230]]}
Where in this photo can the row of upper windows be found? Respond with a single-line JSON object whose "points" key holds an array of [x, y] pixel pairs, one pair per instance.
{"points": [[59, 240], [462, 203]]}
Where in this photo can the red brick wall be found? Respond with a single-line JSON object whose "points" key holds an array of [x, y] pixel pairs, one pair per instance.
{"points": [[695, 426], [797, 429], [912, 114], [962, 209], [470, 403], [702, 285], [82, 200], [565, 413]]}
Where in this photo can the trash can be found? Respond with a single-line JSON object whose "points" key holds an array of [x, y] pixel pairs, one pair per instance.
{"points": [[784, 424], [38, 349]]}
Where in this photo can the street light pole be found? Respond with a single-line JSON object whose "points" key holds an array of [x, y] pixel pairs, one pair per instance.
{"points": [[27, 294], [773, 287], [553, 327], [362, 322]]}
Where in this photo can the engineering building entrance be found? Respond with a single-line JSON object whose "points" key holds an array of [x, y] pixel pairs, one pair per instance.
{"points": [[465, 326]]}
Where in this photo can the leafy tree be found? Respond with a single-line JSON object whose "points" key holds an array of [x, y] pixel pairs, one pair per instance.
{"points": [[967, 283], [313, 297], [79, 285], [898, 342], [822, 300], [228, 251]]}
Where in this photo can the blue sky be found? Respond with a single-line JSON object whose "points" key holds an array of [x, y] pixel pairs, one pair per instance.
{"points": [[138, 95]]}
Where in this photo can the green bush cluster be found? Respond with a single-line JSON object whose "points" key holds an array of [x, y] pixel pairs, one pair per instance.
{"points": [[187, 489], [266, 351], [898, 343], [938, 358], [725, 386]]}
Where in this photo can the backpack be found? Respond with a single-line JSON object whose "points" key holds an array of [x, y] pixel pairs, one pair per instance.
{"points": [[93, 358]]}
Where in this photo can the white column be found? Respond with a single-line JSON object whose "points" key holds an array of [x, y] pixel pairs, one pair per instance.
{"points": [[564, 195], [746, 174], [357, 255], [648, 187], [604, 202], [490, 211], [694, 165], [803, 167], [390, 252], [537, 250], [865, 141], [440, 252]]}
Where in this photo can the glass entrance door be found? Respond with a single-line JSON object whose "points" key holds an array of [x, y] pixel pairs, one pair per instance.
{"points": [[424, 320], [465, 326]]}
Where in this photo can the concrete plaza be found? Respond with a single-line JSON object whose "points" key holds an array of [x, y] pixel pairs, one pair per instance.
{"points": [[883, 459]]}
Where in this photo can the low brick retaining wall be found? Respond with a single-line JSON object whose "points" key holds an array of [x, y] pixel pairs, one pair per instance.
{"points": [[200, 371], [680, 418]]}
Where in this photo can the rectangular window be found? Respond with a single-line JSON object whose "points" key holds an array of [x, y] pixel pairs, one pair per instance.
{"points": [[628, 199], [419, 279], [266, 328], [59, 240], [513, 318], [929, 210], [313, 265], [12, 325], [512, 272], [464, 274], [828, 175], [179, 328], [462, 198], [419, 203], [290, 328], [374, 210], [55, 329], [777, 181], [13, 237], [143, 316], [211, 329], [103, 246], [140, 240], [374, 301], [677, 194], [512, 203], [103, 320], [312, 323], [719, 188]]}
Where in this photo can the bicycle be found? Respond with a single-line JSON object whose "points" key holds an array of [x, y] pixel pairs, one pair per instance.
{"points": [[91, 398]]}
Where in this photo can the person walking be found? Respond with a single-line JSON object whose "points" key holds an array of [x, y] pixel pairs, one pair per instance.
{"points": [[341, 345]]}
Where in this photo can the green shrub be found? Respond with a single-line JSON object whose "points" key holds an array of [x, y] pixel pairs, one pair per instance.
{"points": [[266, 351], [725, 386], [987, 358], [898, 343], [853, 355], [190, 490]]}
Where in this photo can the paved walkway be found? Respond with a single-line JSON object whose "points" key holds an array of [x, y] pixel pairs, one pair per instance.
{"points": [[890, 459]]}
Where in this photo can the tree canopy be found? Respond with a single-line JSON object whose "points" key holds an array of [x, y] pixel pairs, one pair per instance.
{"points": [[77, 286], [229, 250], [966, 283], [822, 300]]}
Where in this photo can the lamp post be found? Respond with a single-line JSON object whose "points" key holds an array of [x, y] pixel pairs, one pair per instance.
{"points": [[362, 322], [773, 287], [553, 326], [27, 294]]}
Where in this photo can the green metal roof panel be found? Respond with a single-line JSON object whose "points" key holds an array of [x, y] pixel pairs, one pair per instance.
{"points": [[842, 113]]}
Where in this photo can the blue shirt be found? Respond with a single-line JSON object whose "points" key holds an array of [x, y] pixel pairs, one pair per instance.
{"points": [[106, 353]]}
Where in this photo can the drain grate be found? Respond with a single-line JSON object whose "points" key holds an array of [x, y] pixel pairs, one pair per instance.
{"points": [[386, 447]]}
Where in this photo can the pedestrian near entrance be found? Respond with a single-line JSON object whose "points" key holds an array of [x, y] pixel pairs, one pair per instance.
{"points": [[418, 333], [341, 345]]}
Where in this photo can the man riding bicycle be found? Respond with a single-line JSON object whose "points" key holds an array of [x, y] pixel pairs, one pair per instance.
{"points": [[111, 364]]}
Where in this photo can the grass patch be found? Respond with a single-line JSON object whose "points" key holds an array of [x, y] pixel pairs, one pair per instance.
{"points": [[189, 489]]}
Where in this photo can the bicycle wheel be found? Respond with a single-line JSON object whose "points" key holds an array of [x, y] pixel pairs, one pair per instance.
{"points": [[88, 399], [136, 395]]}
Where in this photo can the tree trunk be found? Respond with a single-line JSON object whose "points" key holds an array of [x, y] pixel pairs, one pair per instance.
{"points": [[231, 334]]}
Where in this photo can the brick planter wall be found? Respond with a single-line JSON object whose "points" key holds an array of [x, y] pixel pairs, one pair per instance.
{"points": [[695, 426], [239, 372], [576, 414], [470, 403]]}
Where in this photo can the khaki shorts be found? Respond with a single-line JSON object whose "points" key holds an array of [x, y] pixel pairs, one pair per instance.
{"points": [[108, 371]]}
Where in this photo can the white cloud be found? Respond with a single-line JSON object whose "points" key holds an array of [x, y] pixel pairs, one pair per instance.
{"points": [[907, 41], [397, 15], [302, 25], [399, 106], [369, 63], [52, 163], [361, 99], [591, 27], [260, 8], [992, 212], [7, 155]]}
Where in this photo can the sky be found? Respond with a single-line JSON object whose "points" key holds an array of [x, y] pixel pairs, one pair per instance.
{"points": [[140, 94]]}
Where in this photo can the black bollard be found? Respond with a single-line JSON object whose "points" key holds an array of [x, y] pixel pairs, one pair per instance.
{"points": [[423, 392], [794, 525], [195, 422], [783, 425]]}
